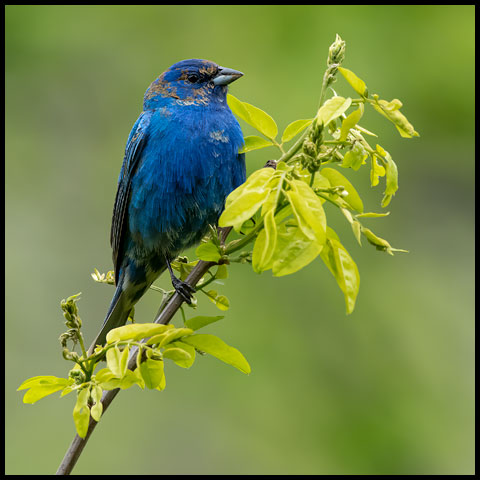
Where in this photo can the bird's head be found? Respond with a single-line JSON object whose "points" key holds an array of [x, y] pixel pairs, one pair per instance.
{"points": [[191, 82]]}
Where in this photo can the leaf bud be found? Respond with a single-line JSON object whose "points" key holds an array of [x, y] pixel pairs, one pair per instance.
{"points": [[336, 52]]}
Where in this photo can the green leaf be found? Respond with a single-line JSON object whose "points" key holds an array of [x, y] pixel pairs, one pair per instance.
{"points": [[376, 171], [104, 375], [254, 116], [208, 252], [337, 179], [343, 268], [257, 181], [37, 392], [356, 83], [124, 361], [136, 331], [372, 215], [181, 356], [294, 251], [237, 107], [308, 211], [113, 361], [196, 323], [152, 372], [243, 202], [295, 128], [81, 412], [183, 268], [357, 231], [350, 122], [220, 301], [129, 379], [187, 363], [222, 272], [265, 243], [174, 334], [218, 348], [44, 381], [380, 243], [178, 355], [254, 142], [97, 407], [332, 109], [276, 184], [391, 110], [391, 175], [355, 157]]}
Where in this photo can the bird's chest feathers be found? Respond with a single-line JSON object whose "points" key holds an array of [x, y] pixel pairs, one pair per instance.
{"points": [[189, 166], [190, 147]]}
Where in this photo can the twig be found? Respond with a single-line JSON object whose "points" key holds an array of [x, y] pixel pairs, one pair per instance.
{"points": [[163, 317], [78, 443]]}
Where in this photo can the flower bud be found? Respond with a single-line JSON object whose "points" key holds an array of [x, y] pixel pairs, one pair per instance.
{"points": [[336, 52]]}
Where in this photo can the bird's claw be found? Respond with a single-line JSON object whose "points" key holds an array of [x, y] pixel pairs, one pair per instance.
{"points": [[185, 290]]}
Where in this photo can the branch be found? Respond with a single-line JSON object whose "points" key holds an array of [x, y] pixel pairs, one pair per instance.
{"points": [[166, 314]]}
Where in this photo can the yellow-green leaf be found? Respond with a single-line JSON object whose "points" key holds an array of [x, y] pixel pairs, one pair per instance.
{"points": [[113, 361], [36, 392], [391, 110], [152, 372], [337, 179], [179, 345], [243, 202], [195, 323], [332, 109], [254, 142], [136, 331], [189, 349], [343, 268], [294, 251], [254, 116], [81, 412], [372, 215], [308, 211], [380, 243], [356, 83], [265, 243], [295, 128], [355, 157], [44, 381], [208, 252], [256, 181], [218, 348], [350, 122], [376, 171], [174, 334], [97, 407]]}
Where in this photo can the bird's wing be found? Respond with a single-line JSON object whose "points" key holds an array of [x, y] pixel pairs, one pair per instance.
{"points": [[133, 152]]}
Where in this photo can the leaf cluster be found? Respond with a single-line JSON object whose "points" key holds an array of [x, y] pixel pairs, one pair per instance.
{"points": [[151, 343]]}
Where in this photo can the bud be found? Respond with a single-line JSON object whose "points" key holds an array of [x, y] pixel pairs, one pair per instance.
{"points": [[309, 148], [77, 375], [336, 52]]}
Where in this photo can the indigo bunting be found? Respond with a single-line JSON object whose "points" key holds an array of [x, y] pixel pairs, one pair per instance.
{"points": [[181, 161]]}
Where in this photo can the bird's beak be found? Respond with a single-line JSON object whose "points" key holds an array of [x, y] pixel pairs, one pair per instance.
{"points": [[226, 76]]}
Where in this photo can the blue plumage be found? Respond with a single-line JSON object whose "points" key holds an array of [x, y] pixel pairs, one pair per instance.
{"points": [[181, 161]]}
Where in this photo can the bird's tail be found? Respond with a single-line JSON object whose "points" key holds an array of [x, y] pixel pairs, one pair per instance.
{"points": [[117, 316]]}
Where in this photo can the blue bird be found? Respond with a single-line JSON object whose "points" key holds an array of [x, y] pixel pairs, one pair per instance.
{"points": [[181, 161]]}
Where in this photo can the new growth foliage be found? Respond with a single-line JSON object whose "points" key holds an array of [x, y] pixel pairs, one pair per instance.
{"points": [[281, 215]]}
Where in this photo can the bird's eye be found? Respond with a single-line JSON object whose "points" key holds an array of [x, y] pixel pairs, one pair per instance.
{"points": [[193, 78]]}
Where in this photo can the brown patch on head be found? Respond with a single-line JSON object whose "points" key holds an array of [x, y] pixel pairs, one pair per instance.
{"points": [[160, 87], [209, 69]]}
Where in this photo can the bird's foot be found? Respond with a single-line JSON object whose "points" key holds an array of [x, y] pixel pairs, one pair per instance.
{"points": [[185, 290]]}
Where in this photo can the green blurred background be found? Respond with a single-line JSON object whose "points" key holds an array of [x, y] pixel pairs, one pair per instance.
{"points": [[386, 390]]}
